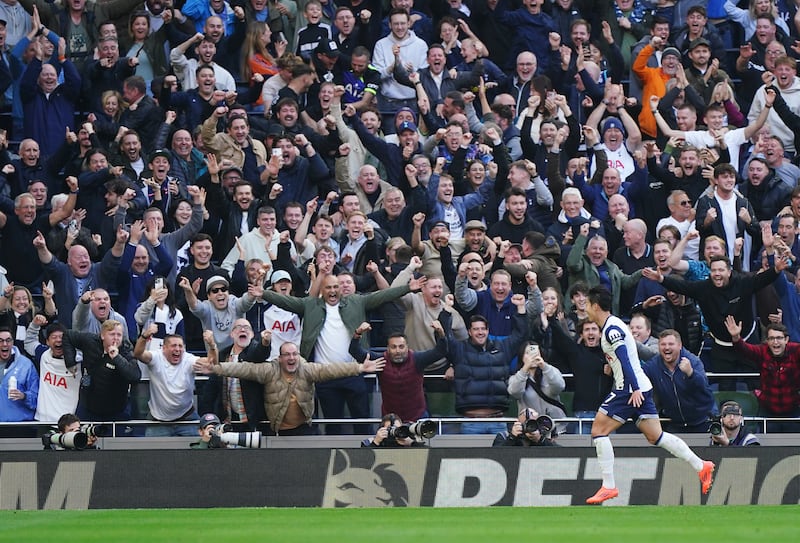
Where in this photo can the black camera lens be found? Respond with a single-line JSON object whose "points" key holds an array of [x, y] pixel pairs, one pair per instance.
{"points": [[715, 428]]}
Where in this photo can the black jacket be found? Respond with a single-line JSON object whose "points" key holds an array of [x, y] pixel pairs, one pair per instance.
{"points": [[591, 384], [717, 303], [107, 393]]}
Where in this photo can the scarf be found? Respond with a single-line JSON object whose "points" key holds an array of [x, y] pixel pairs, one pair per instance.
{"points": [[636, 16]]}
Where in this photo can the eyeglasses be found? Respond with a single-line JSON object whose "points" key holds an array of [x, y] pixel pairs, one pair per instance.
{"points": [[685, 203], [776, 338], [218, 289], [6, 340], [242, 326]]}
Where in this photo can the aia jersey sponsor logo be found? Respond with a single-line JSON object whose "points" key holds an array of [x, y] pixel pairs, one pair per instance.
{"points": [[55, 380]]}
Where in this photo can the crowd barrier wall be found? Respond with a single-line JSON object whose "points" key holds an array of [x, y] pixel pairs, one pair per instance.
{"points": [[351, 477]]}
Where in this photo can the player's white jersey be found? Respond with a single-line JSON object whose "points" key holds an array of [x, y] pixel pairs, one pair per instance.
{"points": [[619, 347]]}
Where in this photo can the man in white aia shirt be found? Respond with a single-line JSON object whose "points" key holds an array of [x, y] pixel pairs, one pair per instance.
{"points": [[59, 386], [284, 325]]}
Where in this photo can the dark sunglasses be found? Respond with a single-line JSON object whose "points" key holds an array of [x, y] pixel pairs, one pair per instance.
{"points": [[218, 289], [685, 203]]}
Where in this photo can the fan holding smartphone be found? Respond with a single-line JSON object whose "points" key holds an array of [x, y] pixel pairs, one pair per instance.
{"points": [[537, 384]]}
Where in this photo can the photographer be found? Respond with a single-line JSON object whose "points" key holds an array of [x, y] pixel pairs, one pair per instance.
{"points": [[519, 437], [386, 436], [537, 384], [69, 423], [206, 429], [729, 431]]}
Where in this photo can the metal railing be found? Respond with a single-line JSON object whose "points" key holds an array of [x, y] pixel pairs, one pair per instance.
{"points": [[123, 428]]}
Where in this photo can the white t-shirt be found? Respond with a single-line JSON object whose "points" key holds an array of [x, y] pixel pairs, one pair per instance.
{"points": [[58, 388], [693, 247], [733, 139], [284, 325], [333, 344], [729, 220], [454, 221], [171, 386], [620, 159]]}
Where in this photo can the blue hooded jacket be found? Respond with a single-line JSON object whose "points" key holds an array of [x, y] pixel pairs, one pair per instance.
{"points": [[685, 400]]}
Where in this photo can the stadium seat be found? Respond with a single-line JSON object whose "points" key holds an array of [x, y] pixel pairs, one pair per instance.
{"points": [[513, 408], [566, 399], [747, 400], [441, 404]]}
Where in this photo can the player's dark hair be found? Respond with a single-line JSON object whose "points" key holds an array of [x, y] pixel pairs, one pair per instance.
{"points": [[601, 296]]}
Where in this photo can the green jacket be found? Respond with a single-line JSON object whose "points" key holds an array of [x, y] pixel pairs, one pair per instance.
{"points": [[581, 269], [353, 310]]}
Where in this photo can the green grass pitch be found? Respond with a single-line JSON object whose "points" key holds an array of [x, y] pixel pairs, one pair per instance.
{"points": [[728, 524]]}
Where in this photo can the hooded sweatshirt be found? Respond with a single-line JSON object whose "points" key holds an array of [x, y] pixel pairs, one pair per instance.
{"points": [[412, 50]]}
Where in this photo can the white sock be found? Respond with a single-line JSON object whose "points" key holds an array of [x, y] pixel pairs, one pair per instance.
{"points": [[605, 457], [678, 448]]}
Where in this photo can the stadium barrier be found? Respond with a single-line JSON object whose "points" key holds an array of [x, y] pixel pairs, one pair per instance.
{"points": [[345, 477]]}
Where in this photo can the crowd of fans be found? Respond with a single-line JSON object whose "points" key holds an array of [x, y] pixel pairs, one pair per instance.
{"points": [[292, 181]]}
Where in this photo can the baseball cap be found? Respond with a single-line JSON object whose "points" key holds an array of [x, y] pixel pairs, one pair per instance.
{"points": [[328, 48], [209, 419], [475, 224], [517, 246], [159, 152], [280, 275], [275, 130], [406, 125], [698, 42], [671, 51], [612, 122], [215, 280], [236, 169], [440, 223], [3, 22]]}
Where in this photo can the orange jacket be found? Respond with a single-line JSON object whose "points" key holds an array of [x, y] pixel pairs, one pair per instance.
{"points": [[653, 83]]}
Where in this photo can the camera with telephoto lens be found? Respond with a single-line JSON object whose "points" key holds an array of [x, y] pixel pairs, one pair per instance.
{"points": [[422, 429], [542, 424], [221, 436], [67, 440]]}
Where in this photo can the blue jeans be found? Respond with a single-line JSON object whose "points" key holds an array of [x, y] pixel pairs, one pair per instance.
{"points": [[483, 427], [172, 430]]}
